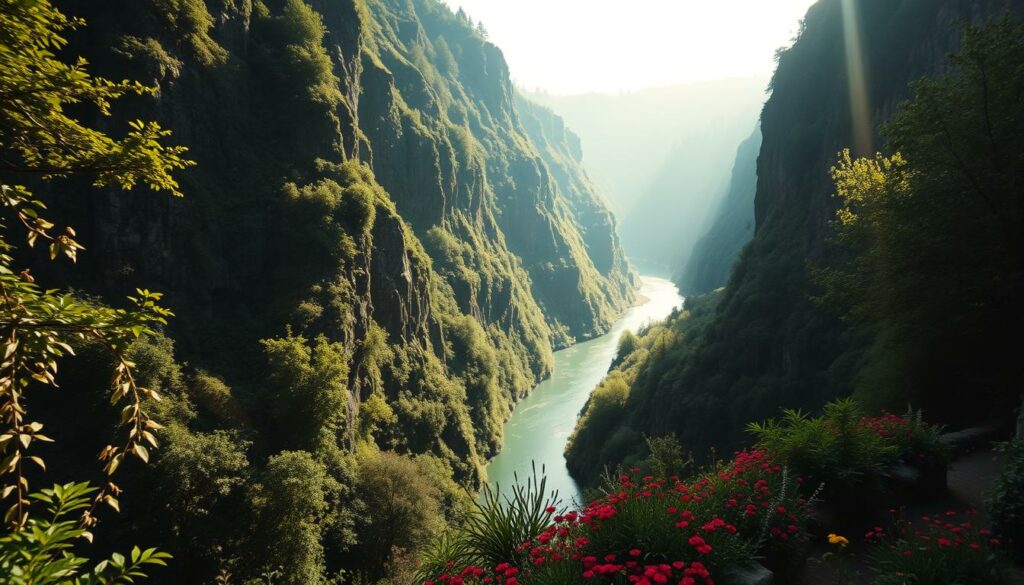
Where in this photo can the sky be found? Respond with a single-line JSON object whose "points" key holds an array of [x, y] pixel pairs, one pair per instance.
{"points": [[611, 46]]}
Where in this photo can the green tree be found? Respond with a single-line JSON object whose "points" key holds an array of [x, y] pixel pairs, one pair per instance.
{"points": [[41, 141], [404, 507], [307, 392], [935, 232], [666, 459], [291, 500]]}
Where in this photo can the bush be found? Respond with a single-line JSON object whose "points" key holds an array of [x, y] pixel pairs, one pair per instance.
{"points": [[916, 441], [840, 448], [1006, 502]]}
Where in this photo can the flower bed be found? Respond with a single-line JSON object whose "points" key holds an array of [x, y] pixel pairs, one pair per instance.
{"points": [[647, 531], [950, 548]]}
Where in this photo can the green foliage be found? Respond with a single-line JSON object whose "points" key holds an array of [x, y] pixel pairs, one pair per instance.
{"points": [[404, 507], [835, 449], [161, 63], [666, 458], [1006, 500], [627, 345], [935, 235], [306, 389], [191, 22], [494, 530], [43, 551], [303, 30], [610, 430], [199, 470], [290, 501]]}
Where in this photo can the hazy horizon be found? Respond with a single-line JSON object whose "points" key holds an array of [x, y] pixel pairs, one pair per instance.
{"points": [[546, 54]]}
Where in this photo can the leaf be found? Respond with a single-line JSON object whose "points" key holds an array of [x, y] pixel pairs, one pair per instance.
{"points": [[141, 452]]}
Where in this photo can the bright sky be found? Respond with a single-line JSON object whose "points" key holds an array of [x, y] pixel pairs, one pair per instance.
{"points": [[579, 46]]}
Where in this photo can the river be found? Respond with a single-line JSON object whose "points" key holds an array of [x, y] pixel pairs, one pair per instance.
{"points": [[543, 421]]}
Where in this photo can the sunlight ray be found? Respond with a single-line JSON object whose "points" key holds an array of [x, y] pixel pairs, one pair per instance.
{"points": [[856, 74]]}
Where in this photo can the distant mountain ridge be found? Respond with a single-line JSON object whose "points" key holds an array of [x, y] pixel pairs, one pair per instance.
{"points": [[731, 227], [661, 155]]}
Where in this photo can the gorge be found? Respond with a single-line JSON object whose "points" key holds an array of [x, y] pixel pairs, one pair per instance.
{"points": [[319, 294]]}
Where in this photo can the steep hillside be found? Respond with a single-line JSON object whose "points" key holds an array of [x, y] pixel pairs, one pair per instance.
{"points": [[731, 227], [766, 344], [379, 248]]}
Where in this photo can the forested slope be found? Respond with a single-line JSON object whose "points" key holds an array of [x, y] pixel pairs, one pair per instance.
{"points": [[767, 343], [377, 251]]}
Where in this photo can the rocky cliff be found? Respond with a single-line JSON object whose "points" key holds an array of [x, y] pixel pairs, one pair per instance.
{"points": [[365, 171]]}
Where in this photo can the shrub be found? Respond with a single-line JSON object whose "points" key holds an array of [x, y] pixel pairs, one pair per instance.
{"points": [[916, 441], [842, 447], [944, 550], [1006, 502], [666, 458]]}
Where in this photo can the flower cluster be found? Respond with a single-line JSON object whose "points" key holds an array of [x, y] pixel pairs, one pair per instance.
{"points": [[949, 530], [503, 574], [951, 546], [888, 425], [914, 439], [650, 531]]}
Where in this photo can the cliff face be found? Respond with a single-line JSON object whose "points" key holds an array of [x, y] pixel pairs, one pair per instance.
{"points": [[766, 345], [732, 226], [363, 165]]}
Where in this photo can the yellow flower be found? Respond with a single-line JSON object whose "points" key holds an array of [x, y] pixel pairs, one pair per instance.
{"points": [[836, 539]]}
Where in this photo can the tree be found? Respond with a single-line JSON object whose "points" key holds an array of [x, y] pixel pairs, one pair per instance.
{"points": [[40, 141], [404, 501], [307, 391], [934, 237], [291, 501], [666, 459]]}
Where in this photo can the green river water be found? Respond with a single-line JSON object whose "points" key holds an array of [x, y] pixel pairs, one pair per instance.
{"points": [[542, 422]]}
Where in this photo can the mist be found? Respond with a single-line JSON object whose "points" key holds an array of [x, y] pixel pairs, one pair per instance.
{"points": [[663, 157]]}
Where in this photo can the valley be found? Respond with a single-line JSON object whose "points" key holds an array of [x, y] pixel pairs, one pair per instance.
{"points": [[336, 292]]}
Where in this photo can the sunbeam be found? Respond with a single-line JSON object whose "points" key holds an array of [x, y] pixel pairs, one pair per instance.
{"points": [[860, 110]]}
